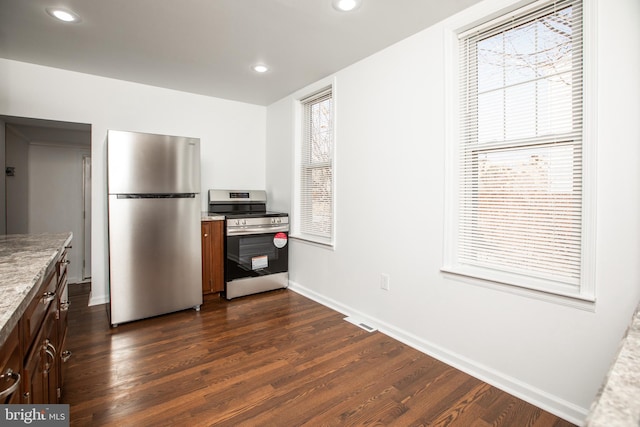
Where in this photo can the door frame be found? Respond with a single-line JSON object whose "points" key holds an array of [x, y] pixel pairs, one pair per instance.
{"points": [[86, 213]]}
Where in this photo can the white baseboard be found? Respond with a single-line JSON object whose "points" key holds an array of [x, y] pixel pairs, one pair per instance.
{"points": [[72, 280], [553, 404], [97, 299]]}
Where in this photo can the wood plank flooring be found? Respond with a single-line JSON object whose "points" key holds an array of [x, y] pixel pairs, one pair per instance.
{"points": [[273, 359]]}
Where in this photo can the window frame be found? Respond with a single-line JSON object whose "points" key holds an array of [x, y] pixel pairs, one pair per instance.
{"points": [[489, 15], [297, 227]]}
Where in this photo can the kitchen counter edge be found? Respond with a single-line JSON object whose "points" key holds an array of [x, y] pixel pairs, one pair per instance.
{"points": [[206, 216], [25, 260], [618, 402]]}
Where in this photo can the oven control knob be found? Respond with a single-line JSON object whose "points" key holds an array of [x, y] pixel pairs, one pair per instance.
{"points": [[244, 222]]}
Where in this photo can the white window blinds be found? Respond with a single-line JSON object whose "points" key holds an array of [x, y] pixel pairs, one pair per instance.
{"points": [[316, 168], [520, 179]]}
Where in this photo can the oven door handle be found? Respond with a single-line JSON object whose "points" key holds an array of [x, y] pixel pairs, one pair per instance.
{"points": [[243, 231]]}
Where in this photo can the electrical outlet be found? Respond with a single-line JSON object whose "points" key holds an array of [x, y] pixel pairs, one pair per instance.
{"points": [[384, 281]]}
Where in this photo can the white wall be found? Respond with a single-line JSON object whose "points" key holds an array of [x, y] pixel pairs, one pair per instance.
{"points": [[3, 218], [16, 187], [232, 134], [390, 206], [55, 196]]}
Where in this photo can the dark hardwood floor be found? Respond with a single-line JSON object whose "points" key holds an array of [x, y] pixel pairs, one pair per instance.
{"points": [[274, 359]]}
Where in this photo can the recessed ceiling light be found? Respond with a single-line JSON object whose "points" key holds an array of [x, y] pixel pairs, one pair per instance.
{"points": [[346, 5], [260, 68], [63, 15]]}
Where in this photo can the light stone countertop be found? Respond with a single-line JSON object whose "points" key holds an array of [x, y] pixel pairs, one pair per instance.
{"points": [[24, 259], [206, 216], [618, 402]]}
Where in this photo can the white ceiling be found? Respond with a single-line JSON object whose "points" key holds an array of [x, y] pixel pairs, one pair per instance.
{"points": [[209, 46]]}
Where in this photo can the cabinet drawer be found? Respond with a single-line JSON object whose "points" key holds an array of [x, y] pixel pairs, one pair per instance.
{"points": [[10, 369], [62, 264], [34, 315]]}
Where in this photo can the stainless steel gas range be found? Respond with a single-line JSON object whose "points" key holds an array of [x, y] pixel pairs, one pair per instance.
{"points": [[256, 242]]}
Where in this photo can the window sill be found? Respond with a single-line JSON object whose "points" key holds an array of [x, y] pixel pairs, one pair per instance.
{"points": [[311, 241], [573, 300]]}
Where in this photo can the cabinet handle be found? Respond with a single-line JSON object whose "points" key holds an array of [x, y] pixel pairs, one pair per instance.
{"points": [[47, 297], [206, 235], [7, 376], [65, 306], [27, 397], [66, 261], [66, 355], [49, 345], [50, 350], [47, 366]]}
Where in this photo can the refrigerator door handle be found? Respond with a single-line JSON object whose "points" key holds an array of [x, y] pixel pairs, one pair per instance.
{"points": [[157, 196]]}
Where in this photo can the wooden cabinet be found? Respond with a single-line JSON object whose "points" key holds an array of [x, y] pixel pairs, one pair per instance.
{"points": [[34, 353], [37, 309], [38, 323], [212, 256], [63, 354], [11, 373], [40, 366]]}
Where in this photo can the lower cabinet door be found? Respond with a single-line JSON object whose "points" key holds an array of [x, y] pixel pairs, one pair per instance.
{"points": [[11, 374], [206, 240], [35, 385], [212, 256], [41, 367]]}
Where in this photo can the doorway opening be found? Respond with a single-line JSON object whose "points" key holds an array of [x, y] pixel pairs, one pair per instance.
{"points": [[46, 184]]}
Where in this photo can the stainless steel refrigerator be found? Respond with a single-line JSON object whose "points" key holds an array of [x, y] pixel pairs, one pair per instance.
{"points": [[155, 264]]}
